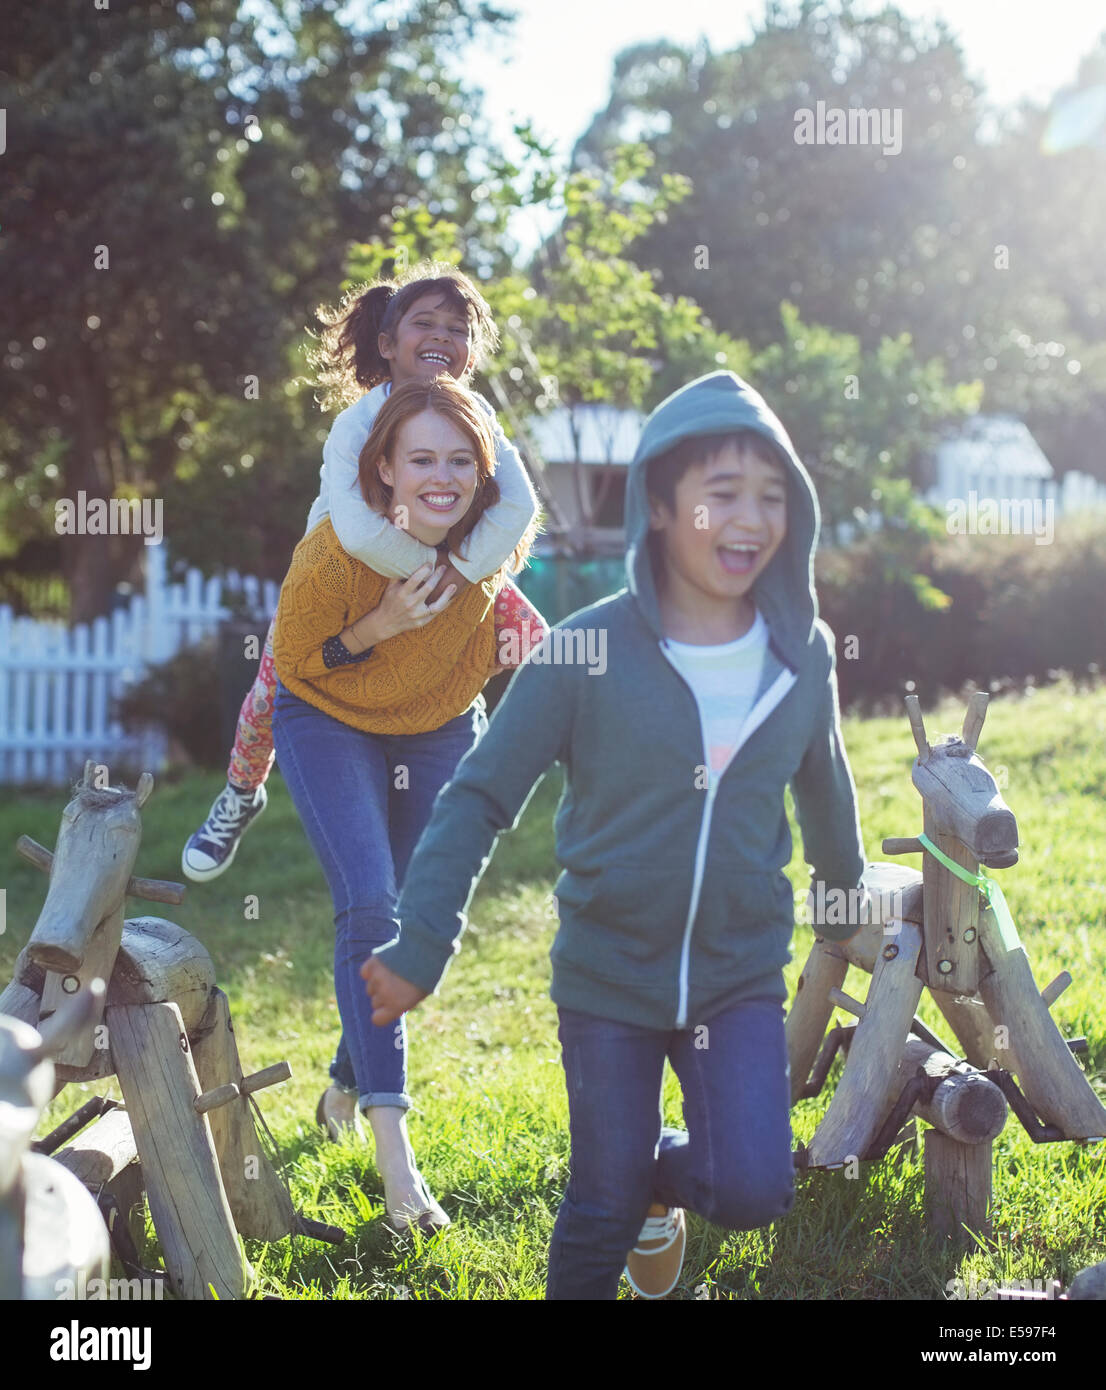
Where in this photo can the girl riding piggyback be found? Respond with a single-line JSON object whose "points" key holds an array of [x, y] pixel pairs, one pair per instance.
{"points": [[431, 321]]}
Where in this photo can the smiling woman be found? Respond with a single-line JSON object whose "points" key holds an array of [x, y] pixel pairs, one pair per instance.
{"points": [[378, 698], [428, 463]]}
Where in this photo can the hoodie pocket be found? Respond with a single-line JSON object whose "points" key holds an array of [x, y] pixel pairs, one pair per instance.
{"points": [[622, 916], [743, 925]]}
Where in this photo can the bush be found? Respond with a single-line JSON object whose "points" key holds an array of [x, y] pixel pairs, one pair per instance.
{"points": [[181, 695], [1014, 611]]}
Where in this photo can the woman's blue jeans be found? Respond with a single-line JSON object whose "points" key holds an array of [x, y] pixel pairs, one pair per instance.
{"points": [[364, 800], [733, 1165]]}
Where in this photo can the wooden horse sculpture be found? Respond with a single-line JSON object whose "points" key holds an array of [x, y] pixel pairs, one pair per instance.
{"points": [[937, 929], [164, 1029]]}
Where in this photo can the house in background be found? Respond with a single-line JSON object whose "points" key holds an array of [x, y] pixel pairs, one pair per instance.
{"points": [[587, 450], [995, 456]]}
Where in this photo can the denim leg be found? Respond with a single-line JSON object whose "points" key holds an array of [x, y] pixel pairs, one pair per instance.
{"points": [[734, 1165], [421, 765], [341, 1069], [427, 762], [614, 1073], [338, 779]]}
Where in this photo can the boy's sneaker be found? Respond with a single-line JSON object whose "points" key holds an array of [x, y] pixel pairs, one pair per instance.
{"points": [[653, 1265], [212, 848]]}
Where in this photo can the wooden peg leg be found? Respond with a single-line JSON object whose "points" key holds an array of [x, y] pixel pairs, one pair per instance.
{"points": [[811, 1010], [258, 1199], [957, 1187], [867, 1089], [185, 1189], [1053, 1082]]}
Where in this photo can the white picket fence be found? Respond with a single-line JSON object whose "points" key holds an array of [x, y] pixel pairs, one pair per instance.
{"points": [[58, 684]]}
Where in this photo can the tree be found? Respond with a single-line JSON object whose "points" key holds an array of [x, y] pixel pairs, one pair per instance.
{"points": [[978, 237], [844, 231], [187, 182]]}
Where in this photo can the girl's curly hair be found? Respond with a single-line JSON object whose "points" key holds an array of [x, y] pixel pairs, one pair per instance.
{"points": [[348, 361]]}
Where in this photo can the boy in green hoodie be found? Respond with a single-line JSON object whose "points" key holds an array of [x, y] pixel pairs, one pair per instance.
{"points": [[715, 690]]}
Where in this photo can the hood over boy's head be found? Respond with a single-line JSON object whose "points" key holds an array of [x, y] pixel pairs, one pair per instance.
{"points": [[715, 447]]}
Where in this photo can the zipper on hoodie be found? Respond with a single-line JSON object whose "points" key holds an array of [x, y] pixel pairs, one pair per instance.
{"points": [[753, 720]]}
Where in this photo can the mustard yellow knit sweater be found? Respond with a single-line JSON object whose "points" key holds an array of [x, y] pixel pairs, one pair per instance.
{"points": [[412, 683]]}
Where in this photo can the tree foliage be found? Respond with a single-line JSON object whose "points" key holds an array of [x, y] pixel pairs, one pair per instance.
{"points": [[980, 237], [187, 182]]}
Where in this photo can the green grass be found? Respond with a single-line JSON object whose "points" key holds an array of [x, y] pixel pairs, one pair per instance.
{"points": [[490, 1125]]}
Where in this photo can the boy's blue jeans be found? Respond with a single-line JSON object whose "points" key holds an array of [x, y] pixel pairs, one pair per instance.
{"points": [[364, 828], [733, 1166]]}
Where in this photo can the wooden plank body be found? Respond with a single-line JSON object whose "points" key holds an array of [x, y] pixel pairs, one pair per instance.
{"points": [[951, 909], [183, 1183], [160, 962], [965, 1106], [100, 1153], [100, 1067], [974, 1030]]}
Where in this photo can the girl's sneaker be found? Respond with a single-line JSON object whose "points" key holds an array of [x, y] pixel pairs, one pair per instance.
{"points": [[653, 1265], [211, 850]]}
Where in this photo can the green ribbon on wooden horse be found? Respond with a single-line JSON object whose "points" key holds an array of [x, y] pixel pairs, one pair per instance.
{"points": [[988, 887]]}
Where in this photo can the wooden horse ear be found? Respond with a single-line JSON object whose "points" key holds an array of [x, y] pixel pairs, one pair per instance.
{"points": [[917, 726], [973, 720], [86, 776], [144, 788]]}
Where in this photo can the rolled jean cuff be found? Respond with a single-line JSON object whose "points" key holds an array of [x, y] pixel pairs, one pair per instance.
{"points": [[395, 1098]]}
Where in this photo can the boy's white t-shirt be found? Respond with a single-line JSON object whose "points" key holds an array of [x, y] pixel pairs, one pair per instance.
{"points": [[724, 680]]}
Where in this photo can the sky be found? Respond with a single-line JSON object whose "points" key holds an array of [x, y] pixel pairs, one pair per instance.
{"points": [[556, 69]]}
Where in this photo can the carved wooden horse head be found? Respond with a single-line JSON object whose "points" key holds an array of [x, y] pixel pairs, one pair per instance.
{"points": [[967, 822], [961, 794], [96, 849], [77, 936]]}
